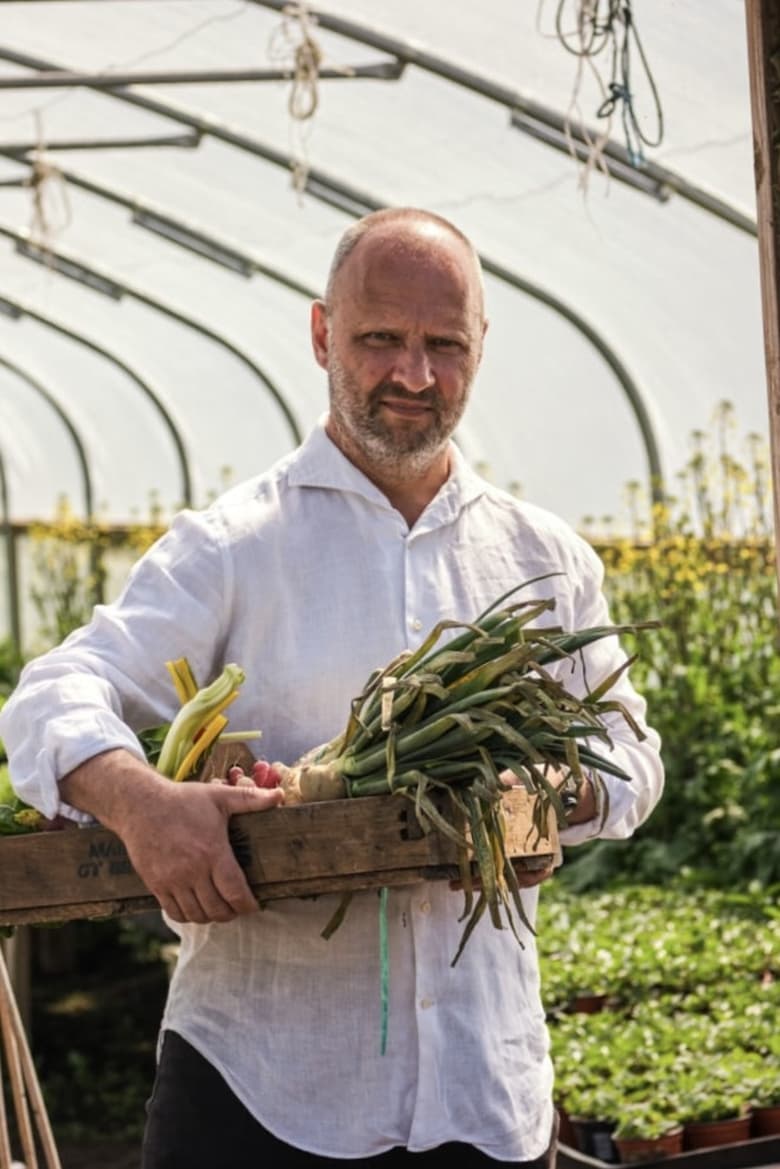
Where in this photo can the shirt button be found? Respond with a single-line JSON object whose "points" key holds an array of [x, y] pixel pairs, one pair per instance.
{"points": [[425, 907], [425, 1003], [415, 624]]}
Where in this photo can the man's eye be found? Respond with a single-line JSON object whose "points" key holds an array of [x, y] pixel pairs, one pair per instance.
{"points": [[376, 337], [445, 343]]}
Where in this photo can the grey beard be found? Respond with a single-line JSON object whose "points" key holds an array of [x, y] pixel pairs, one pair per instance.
{"points": [[385, 451]]}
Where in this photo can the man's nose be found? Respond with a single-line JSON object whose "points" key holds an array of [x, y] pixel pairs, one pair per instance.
{"points": [[412, 369]]}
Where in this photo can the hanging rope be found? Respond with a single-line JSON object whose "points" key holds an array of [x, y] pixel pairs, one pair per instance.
{"points": [[50, 203], [293, 45], [602, 35]]}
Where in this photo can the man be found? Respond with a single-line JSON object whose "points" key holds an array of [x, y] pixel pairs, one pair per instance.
{"points": [[310, 576]]}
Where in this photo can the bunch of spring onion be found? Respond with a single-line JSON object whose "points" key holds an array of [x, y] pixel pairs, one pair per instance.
{"points": [[451, 718]]}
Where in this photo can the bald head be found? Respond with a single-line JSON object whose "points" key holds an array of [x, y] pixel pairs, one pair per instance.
{"points": [[408, 235], [400, 335]]}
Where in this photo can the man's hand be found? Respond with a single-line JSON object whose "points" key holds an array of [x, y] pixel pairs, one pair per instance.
{"points": [[586, 805], [528, 877], [585, 808], [175, 833]]}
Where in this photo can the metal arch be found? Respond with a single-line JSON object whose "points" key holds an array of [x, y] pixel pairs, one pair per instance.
{"points": [[14, 605], [160, 306], [530, 117], [81, 454], [146, 389], [632, 391], [618, 368], [64, 79], [251, 263], [410, 54], [636, 401], [356, 202], [14, 609], [35, 252]]}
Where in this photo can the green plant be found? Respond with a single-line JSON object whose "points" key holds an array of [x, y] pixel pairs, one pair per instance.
{"points": [[712, 1097], [68, 572], [643, 1119], [764, 1088], [10, 665], [704, 565], [593, 1100], [16, 817], [694, 995]]}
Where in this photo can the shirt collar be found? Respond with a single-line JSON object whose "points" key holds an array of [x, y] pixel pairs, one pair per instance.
{"points": [[320, 463]]}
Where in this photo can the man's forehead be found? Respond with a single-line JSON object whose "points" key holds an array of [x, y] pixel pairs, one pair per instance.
{"points": [[387, 265], [405, 313], [418, 245]]}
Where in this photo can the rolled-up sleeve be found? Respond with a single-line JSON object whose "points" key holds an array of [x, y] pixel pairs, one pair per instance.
{"points": [[107, 680], [625, 804]]}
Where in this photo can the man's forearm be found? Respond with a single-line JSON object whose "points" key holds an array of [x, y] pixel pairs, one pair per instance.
{"points": [[108, 784]]}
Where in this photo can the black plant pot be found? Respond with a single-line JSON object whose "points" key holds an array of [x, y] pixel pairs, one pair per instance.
{"points": [[594, 1138]]}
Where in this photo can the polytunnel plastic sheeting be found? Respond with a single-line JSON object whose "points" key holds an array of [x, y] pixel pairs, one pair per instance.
{"points": [[225, 428], [211, 385], [31, 435], [664, 291], [177, 383], [537, 388], [696, 50], [275, 321], [117, 425]]}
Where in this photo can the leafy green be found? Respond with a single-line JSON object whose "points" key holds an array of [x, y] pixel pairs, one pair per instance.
{"points": [[16, 817], [152, 741], [688, 977]]}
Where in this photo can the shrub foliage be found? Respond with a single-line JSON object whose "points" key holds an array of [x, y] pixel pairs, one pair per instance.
{"points": [[711, 675]]}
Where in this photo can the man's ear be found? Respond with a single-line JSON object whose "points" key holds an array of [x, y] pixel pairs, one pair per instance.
{"points": [[482, 341], [319, 332]]}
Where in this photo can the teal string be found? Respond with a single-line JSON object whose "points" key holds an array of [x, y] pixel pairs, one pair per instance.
{"points": [[384, 967]]}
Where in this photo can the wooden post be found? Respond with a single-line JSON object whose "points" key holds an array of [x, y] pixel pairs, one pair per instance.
{"points": [[763, 33], [17, 951]]}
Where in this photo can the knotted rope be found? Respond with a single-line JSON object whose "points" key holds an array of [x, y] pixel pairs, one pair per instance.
{"points": [[293, 42], [607, 29], [47, 186]]}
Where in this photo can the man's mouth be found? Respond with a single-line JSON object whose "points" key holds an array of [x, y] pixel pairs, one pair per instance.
{"points": [[413, 409], [407, 408]]}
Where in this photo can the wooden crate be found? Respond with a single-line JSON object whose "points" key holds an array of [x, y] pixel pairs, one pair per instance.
{"points": [[335, 846]]}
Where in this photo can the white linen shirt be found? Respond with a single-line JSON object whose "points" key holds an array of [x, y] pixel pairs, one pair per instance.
{"points": [[308, 578]]}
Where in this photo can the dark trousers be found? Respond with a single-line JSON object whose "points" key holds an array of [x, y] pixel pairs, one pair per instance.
{"points": [[195, 1122]]}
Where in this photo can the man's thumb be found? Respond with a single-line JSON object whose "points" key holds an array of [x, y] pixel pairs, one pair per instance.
{"points": [[248, 798]]}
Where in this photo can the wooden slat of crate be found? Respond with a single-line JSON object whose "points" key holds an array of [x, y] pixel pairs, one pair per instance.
{"points": [[286, 852]]}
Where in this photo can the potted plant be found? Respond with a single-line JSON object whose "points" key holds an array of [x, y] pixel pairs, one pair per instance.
{"points": [[713, 1111], [647, 1130], [592, 1108], [765, 1102]]}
